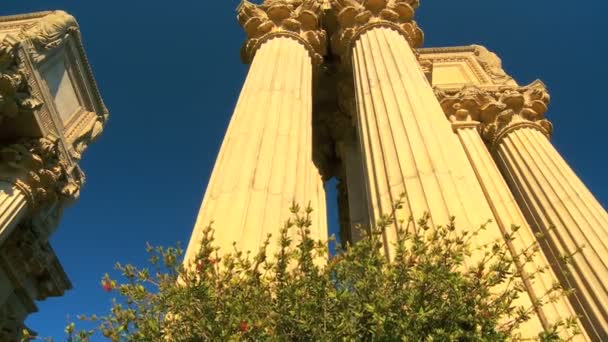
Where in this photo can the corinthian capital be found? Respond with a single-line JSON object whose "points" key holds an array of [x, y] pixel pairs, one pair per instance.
{"points": [[36, 167], [299, 19], [499, 111], [357, 16]]}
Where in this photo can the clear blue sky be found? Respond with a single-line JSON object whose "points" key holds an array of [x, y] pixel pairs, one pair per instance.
{"points": [[170, 75]]}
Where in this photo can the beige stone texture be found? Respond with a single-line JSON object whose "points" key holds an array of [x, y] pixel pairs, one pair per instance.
{"points": [[552, 196], [13, 206], [50, 112], [265, 162]]}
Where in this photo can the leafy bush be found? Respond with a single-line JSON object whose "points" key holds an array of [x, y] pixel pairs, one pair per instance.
{"points": [[431, 290]]}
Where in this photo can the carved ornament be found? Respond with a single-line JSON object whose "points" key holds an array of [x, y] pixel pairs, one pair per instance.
{"points": [[50, 32], [15, 92], [492, 64], [36, 167], [357, 16], [498, 111], [298, 19], [33, 261]]}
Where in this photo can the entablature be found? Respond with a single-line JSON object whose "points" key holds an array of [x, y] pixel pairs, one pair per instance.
{"points": [[455, 67]]}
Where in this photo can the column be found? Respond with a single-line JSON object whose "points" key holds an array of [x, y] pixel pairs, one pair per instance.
{"points": [[464, 109], [13, 206], [265, 161], [31, 178], [554, 200], [407, 145]]}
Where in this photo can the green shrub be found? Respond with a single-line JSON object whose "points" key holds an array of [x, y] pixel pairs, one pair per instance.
{"points": [[426, 293]]}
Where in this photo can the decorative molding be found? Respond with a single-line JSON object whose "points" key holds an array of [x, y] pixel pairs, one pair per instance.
{"points": [[500, 110], [485, 64], [357, 16], [36, 167], [492, 64], [300, 20], [16, 96]]}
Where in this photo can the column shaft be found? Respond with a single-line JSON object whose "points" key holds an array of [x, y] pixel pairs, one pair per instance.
{"points": [[407, 145], [265, 161], [507, 213], [551, 195], [409, 148], [13, 205]]}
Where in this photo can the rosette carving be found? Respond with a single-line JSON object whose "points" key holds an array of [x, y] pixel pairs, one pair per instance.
{"points": [[355, 16], [15, 94], [300, 19], [36, 167], [498, 111]]}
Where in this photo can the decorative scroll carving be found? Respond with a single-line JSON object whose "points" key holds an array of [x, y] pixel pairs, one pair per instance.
{"points": [[36, 167], [498, 111], [50, 32], [298, 19], [88, 134], [356, 16], [15, 92]]}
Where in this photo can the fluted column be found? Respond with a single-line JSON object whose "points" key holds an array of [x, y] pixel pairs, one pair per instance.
{"points": [[32, 177], [464, 109], [265, 161], [558, 204], [407, 145], [13, 206]]}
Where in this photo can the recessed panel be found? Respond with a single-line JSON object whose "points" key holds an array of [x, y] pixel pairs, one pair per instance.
{"points": [[60, 86], [451, 74]]}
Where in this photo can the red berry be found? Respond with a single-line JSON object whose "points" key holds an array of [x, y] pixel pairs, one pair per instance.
{"points": [[244, 326], [107, 285]]}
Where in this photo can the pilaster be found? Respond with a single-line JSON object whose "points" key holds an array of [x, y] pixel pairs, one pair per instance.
{"points": [[266, 159]]}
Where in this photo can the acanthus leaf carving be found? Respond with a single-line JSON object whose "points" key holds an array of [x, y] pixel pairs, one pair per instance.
{"points": [[36, 166], [299, 19], [354, 16], [498, 110]]}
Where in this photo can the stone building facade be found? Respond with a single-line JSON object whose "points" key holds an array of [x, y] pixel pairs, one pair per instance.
{"points": [[342, 88], [50, 110]]}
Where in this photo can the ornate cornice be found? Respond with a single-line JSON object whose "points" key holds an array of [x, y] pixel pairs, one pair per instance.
{"points": [[36, 167], [499, 111], [297, 19], [357, 16]]}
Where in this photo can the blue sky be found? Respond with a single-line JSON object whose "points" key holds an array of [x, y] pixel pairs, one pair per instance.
{"points": [[170, 75]]}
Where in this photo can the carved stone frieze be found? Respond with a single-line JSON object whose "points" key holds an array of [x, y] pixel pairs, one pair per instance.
{"points": [[356, 16], [299, 19], [498, 110], [15, 93], [36, 167]]}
